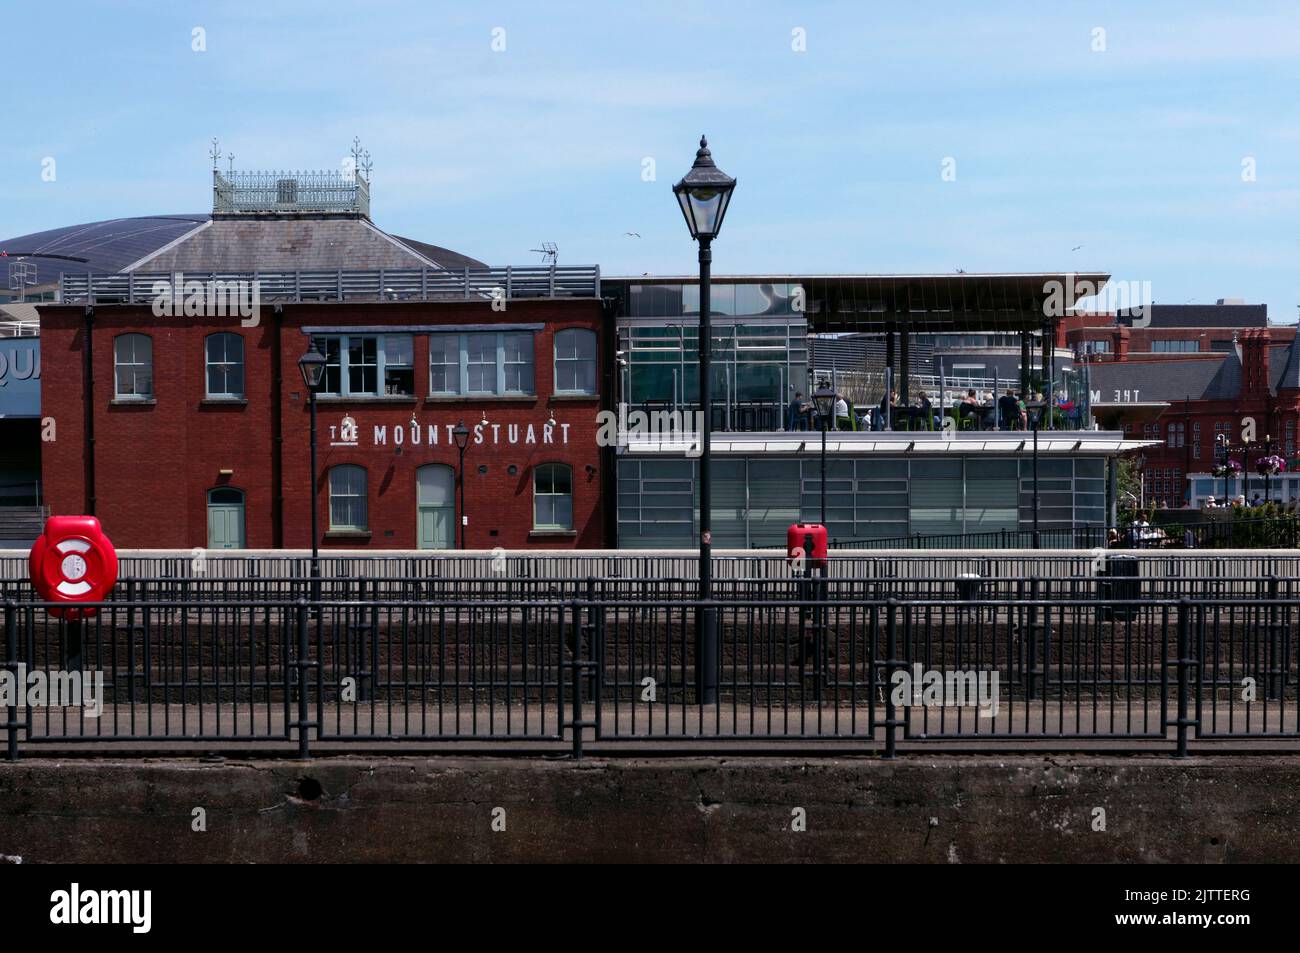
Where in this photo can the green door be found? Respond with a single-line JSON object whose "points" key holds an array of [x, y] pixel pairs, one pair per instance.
{"points": [[225, 519], [436, 507]]}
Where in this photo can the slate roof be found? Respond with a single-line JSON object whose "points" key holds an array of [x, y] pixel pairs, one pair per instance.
{"points": [[1284, 367], [286, 244], [1203, 316], [1170, 380], [198, 243]]}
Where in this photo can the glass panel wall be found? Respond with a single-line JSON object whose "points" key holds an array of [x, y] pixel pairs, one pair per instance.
{"points": [[758, 364], [755, 499]]}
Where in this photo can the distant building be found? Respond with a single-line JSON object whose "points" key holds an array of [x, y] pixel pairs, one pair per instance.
{"points": [[1241, 381]]}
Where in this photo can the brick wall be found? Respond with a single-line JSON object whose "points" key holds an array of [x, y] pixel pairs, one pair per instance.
{"points": [[155, 462]]}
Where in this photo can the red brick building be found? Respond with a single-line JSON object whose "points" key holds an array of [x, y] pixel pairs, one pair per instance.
{"points": [[1247, 393], [194, 431]]}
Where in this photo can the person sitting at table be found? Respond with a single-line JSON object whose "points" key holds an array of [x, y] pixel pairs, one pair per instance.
{"points": [[889, 410], [797, 418], [842, 419], [968, 407], [924, 413], [1010, 410]]}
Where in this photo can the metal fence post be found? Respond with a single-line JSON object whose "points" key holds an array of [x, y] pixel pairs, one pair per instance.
{"points": [[303, 665], [575, 678], [1185, 663], [11, 665], [1275, 666], [1031, 635], [130, 640], [891, 650]]}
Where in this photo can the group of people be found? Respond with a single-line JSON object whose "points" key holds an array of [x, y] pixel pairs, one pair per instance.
{"points": [[1223, 503], [801, 412], [1008, 412]]}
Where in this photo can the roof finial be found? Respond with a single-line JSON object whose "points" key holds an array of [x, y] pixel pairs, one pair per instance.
{"points": [[215, 152]]}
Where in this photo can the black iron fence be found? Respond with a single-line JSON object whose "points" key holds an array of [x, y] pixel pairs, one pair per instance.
{"points": [[863, 666]]}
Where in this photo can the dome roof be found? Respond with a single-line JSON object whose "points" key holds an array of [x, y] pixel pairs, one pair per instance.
{"points": [[189, 242]]}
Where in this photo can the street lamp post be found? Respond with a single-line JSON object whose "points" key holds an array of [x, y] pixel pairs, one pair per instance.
{"points": [[704, 194], [460, 433], [1034, 425], [824, 400], [312, 366]]}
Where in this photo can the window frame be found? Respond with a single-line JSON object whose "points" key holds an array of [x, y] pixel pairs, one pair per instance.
{"points": [[363, 496], [462, 364], [340, 365], [552, 468], [577, 334], [209, 364], [119, 364]]}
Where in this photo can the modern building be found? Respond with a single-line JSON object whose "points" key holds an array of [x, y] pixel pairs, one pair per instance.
{"points": [[880, 485]]}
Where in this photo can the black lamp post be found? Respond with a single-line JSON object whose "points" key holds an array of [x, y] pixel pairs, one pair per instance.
{"points": [[312, 366], [704, 194], [1033, 422], [824, 401], [460, 433]]}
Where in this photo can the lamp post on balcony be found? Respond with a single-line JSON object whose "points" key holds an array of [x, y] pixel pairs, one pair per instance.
{"points": [[460, 433], [312, 366], [824, 401], [704, 194]]}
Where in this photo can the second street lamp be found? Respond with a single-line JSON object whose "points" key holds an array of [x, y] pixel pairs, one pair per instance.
{"points": [[824, 401], [704, 194], [312, 366], [460, 433]]}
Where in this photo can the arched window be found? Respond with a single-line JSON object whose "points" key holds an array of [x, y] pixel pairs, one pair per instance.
{"points": [[575, 361], [223, 357], [348, 498], [553, 497], [133, 367]]}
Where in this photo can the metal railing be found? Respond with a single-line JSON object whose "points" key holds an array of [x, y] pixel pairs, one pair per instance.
{"points": [[1070, 537], [377, 284], [806, 663], [1282, 532], [260, 192]]}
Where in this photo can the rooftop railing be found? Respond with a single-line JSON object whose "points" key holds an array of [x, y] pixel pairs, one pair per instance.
{"points": [[263, 192], [377, 284]]}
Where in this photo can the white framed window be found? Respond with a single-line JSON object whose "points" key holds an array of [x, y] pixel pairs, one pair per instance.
{"points": [[367, 365], [444, 364], [348, 498], [575, 361], [553, 497], [482, 362], [223, 358], [133, 367]]}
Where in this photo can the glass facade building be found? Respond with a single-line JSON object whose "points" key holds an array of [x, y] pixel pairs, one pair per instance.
{"points": [[880, 485], [756, 497]]}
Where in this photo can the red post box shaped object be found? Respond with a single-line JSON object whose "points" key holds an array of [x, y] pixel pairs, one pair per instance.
{"points": [[73, 562], [808, 540]]}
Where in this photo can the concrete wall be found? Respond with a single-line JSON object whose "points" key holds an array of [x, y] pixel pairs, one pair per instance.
{"points": [[920, 809]]}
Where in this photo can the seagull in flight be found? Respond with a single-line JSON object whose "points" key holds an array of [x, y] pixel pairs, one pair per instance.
{"points": [[633, 234], [1076, 248]]}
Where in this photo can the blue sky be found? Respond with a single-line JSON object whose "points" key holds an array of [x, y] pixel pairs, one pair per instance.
{"points": [[1134, 152]]}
